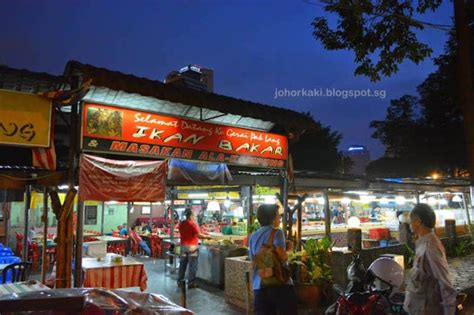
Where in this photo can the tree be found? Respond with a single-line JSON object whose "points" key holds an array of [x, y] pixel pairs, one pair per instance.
{"points": [[424, 133], [316, 150], [382, 36]]}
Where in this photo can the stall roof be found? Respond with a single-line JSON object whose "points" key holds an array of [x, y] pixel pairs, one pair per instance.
{"points": [[113, 87], [22, 80], [307, 181]]}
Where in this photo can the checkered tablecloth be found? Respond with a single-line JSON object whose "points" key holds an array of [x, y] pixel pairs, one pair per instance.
{"points": [[101, 274], [19, 287]]}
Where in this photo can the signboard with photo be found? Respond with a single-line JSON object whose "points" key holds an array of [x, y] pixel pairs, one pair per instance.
{"points": [[126, 131]]}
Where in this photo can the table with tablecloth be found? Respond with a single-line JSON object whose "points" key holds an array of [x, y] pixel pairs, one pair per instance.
{"points": [[105, 274], [19, 287]]}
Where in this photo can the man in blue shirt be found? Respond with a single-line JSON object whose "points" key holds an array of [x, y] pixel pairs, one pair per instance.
{"points": [[268, 300]]}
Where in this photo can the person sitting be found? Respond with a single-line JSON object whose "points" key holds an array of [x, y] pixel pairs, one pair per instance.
{"points": [[123, 231], [145, 227], [136, 238]]}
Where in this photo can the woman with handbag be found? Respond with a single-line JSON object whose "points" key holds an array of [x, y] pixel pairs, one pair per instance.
{"points": [[272, 287]]}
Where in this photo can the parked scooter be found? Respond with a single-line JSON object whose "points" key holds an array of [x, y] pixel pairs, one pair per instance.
{"points": [[371, 292], [362, 297]]}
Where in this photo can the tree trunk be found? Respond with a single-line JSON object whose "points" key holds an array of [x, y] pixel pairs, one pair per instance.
{"points": [[464, 78]]}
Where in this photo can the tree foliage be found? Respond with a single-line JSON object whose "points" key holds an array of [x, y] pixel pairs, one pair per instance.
{"points": [[425, 132], [381, 33], [316, 150]]}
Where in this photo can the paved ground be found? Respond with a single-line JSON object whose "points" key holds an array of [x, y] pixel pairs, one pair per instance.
{"points": [[210, 300], [203, 300]]}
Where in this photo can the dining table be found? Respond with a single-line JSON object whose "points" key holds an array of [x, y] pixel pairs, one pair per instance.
{"points": [[105, 273], [19, 287]]}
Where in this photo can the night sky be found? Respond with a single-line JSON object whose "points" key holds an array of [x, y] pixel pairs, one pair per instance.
{"points": [[254, 48]]}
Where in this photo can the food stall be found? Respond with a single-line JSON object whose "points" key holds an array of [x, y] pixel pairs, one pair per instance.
{"points": [[378, 214]]}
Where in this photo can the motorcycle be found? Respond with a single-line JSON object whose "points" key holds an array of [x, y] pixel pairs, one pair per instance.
{"points": [[363, 297]]}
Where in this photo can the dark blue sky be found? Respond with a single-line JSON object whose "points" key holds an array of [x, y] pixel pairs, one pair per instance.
{"points": [[254, 47]]}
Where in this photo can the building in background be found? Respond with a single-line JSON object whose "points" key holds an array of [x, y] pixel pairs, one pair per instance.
{"points": [[192, 77], [360, 157]]}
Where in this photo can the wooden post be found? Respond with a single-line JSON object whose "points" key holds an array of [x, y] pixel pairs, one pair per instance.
{"points": [[63, 248], [27, 221], [44, 265], [79, 242]]}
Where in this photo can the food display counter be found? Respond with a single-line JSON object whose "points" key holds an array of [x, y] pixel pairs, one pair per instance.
{"points": [[212, 255]]}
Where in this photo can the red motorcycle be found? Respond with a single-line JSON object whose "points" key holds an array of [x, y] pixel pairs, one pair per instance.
{"points": [[363, 297]]}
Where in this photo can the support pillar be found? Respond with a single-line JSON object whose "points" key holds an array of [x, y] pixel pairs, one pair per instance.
{"points": [[450, 228], [44, 219], [27, 222], [79, 242], [327, 214], [102, 218], [246, 200], [465, 199], [284, 202]]}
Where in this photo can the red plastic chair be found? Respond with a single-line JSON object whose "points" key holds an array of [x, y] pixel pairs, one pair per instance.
{"points": [[33, 255], [155, 244]]}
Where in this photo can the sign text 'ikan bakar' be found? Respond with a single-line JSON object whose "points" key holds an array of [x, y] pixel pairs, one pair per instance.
{"points": [[127, 131]]}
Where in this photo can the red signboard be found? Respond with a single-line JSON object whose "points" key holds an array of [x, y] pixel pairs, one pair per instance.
{"points": [[127, 131], [105, 180]]}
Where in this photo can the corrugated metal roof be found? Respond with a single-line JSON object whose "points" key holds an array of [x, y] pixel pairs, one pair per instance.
{"points": [[182, 98], [28, 81]]}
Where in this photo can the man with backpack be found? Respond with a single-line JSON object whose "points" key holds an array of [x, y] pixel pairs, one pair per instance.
{"points": [[272, 286]]}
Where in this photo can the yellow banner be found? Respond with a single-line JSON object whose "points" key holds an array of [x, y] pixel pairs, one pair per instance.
{"points": [[25, 119]]}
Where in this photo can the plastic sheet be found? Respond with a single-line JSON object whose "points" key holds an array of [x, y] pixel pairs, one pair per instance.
{"points": [[95, 302]]}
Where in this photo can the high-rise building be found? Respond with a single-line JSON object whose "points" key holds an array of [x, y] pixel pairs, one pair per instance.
{"points": [[360, 157], [192, 77]]}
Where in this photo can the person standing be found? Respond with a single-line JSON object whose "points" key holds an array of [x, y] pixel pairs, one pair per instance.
{"points": [[282, 298], [429, 290], [190, 234]]}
